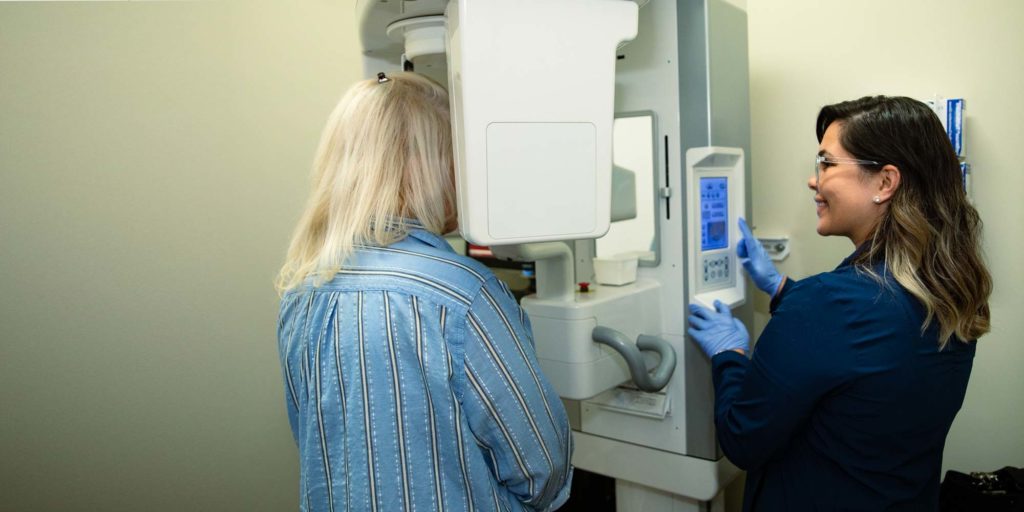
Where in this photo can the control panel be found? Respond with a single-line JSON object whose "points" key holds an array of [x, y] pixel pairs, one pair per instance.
{"points": [[716, 201]]}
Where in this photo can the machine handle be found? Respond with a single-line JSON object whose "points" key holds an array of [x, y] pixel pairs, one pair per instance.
{"points": [[652, 381]]}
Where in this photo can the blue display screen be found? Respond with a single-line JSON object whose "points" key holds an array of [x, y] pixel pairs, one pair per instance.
{"points": [[714, 213]]}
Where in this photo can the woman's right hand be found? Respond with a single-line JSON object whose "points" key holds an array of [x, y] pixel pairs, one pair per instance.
{"points": [[756, 262], [716, 331]]}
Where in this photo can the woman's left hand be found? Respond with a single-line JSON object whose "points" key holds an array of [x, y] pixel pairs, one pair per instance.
{"points": [[717, 332]]}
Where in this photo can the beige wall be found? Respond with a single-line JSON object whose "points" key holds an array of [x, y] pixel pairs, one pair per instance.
{"points": [[153, 160], [808, 53], [154, 156]]}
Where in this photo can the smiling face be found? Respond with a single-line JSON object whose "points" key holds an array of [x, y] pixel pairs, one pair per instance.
{"points": [[844, 192]]}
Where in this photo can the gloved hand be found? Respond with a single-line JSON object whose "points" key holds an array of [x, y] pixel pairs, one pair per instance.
{"points": [[717, 332], [757, 263]]}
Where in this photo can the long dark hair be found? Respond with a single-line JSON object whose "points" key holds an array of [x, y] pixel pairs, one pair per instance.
{"points": [[929, 236]]}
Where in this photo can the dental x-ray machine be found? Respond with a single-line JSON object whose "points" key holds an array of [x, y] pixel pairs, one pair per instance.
{"points": [[537, 88]]}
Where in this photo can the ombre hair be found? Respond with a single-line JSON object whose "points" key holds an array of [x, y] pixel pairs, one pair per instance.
{"points": [[384, 163], [929, 236]]}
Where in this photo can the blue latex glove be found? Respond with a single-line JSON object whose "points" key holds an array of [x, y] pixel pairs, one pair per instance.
{"points": [[717, 332], [757, 263]]}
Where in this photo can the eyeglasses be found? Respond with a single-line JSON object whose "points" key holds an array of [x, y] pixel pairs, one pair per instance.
{"points": [[821, 162]]}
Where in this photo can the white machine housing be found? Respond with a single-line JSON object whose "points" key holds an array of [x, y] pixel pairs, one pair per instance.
{"points": [[577, 367], [532, 86]]}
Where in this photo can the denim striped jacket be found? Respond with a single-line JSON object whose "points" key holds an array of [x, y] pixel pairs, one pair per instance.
{"points": [[411, 383]]}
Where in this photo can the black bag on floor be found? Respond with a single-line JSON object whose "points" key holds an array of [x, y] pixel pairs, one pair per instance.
{"points": [[998, 491]]}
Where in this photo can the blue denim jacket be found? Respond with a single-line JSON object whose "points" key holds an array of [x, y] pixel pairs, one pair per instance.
{"points": [[412, 383]]}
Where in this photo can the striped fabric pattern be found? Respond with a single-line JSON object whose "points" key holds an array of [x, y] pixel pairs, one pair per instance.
{"points": [[412, 384]]}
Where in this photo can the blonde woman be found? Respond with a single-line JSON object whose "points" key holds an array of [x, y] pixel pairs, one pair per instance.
{"points": [[848, 396], [410, 375]]}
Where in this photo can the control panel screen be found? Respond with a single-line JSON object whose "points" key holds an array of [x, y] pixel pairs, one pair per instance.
{"points": [[714, 213]]}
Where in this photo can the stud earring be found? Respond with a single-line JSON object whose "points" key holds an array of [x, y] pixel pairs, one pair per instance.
{"points": [[876, 199]]}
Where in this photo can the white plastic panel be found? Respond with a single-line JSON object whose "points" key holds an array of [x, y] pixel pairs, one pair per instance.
{"points": [[715, 201], [547, 66], [562, 157]]}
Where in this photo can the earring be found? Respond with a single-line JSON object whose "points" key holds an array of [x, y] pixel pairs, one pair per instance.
{"points": [[876, 199]]}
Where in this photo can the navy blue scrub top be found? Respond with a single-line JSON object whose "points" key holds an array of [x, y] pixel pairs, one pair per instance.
{"points": [[845, 404]]}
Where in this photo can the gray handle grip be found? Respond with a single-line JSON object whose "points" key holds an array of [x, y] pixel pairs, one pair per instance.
{"points": [[652, 381]]}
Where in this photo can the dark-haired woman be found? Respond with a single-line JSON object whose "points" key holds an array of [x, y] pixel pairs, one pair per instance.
{"points": [[846, 400]]}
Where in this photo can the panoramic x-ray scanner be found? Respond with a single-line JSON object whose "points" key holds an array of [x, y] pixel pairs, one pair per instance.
{"points": [[606, 141]]}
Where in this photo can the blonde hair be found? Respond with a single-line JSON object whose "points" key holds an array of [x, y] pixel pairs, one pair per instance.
{"points": [[385, 158], [930, 235]]}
